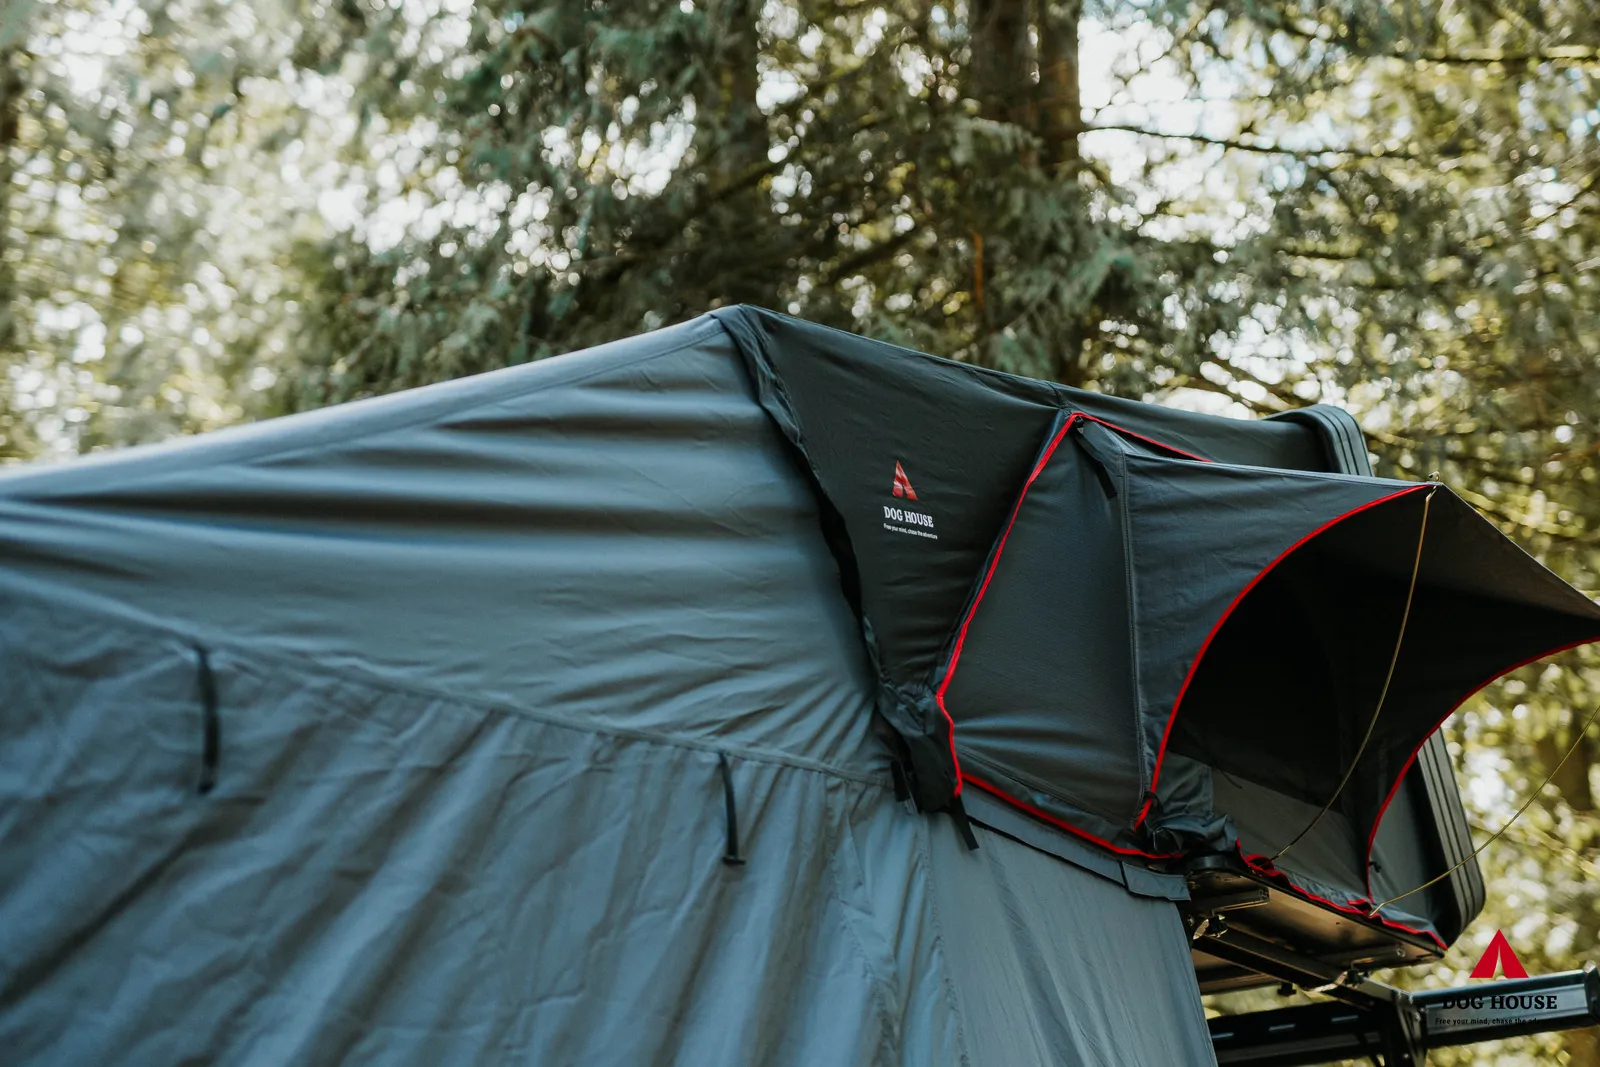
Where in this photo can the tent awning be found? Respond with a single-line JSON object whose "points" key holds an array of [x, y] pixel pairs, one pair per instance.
{"points": [[1141, 601]]}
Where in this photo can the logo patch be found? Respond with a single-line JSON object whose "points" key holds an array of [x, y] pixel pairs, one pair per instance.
{"points": [[904, 520], [902, 484]]}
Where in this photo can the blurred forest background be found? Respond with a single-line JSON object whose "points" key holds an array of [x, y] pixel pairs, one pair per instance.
{"points": [[215, 211]]}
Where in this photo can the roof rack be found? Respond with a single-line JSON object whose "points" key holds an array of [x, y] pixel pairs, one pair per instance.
{"points": [[1370, 1019]]}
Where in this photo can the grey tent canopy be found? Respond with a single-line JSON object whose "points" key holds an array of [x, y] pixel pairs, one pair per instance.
{"points": [[561, 714]]}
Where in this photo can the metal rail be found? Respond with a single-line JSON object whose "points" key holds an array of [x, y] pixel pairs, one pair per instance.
{"points": [[1398, 1028]]}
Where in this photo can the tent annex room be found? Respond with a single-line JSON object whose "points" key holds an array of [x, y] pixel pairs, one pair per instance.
{"points": [[747, 692]]}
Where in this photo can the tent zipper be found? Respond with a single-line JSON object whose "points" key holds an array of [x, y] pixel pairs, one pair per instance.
{"points": [[1097, 461]]}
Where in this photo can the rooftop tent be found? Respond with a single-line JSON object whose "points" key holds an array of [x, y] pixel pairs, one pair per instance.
{"points": [[1065, 595], [556, 715]]}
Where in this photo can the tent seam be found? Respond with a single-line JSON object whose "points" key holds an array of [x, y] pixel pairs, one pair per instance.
{"points": [[994, 770], [946, 669], [254, 661], [1147, 768], [744, 752], [951, 994], [1063, 824], [838, 831]]}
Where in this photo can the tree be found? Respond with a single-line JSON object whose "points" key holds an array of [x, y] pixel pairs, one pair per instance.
{"points": [[1241, 206], [151, 195]]}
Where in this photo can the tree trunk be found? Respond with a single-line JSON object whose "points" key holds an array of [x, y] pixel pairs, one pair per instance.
{"points": [[1572, 779], [1002, 64], [1060, 121], [11, 89], [742, 147], [1060, 106]]}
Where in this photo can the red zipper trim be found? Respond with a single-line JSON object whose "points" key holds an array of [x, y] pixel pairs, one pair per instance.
{"points": [[1062, 824], [1372, 835], [966, 622]]}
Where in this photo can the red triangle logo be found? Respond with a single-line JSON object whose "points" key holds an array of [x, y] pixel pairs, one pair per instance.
{"points": [[902, 484], [1499, 957]]}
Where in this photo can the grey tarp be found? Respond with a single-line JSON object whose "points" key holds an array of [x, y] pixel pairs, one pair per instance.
{"points": [[475, 659]]}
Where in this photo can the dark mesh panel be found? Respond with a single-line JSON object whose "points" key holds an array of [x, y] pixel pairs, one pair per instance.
{"points": [[1289, 685]]}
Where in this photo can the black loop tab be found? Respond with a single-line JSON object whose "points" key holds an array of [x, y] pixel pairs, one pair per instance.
{"points": [[212, 725], [958, 815], [730, 855]]}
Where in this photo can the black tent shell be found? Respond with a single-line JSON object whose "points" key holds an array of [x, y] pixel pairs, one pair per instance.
{"points": [[435, 728], [1077, 594]]}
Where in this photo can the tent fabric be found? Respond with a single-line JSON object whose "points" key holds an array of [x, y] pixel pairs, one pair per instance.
{"points": [[474, 659], [384, 876], [965, 438], [529, 537]]}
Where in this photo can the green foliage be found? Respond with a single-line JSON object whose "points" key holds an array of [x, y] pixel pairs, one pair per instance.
{"points": [[214, 211]]}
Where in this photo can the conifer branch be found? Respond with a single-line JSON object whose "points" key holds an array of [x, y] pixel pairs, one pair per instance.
{"points": [[1254, 146]]}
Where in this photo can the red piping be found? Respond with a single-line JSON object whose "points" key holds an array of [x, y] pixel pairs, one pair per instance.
{"points": [[961, 637], [1148, 440], [1063, 824], [1265, 871], [1172, 717], [955, 655], [1283, 880], [1372, 835]]}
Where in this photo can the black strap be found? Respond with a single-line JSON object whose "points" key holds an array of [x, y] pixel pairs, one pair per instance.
{"points": [[958, 815], [902, 788], [1096, 461], [730, 855], [212, 750]]}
